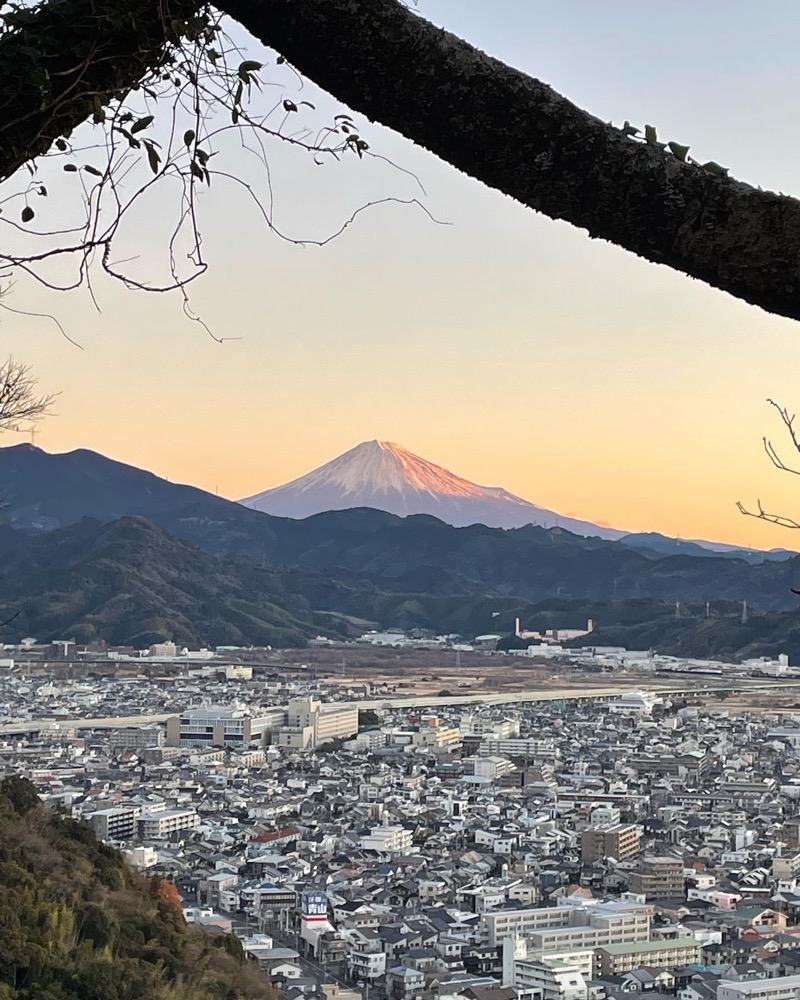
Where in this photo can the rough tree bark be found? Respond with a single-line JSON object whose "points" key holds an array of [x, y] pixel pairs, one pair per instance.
{"points": [[66, 58], [498, 125]]}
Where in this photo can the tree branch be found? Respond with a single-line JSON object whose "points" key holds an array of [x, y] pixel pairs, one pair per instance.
{"points": [[506, 129], [518, 135], [763, 515], [62, 60]]}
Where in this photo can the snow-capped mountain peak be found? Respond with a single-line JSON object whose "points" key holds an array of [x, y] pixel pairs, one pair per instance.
{"points": [[386, 476]]}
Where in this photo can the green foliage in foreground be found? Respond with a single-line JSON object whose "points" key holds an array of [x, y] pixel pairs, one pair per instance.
{"points": [[77, 924]]}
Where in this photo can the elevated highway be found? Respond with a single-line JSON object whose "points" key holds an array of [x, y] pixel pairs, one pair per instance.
{"points": [[588, 693]]}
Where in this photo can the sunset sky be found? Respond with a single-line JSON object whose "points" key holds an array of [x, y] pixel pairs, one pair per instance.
{"points": [[509, 348]]}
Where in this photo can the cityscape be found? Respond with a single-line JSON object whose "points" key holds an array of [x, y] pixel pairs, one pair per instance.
{"points": [[399, 531], [600, 837]]}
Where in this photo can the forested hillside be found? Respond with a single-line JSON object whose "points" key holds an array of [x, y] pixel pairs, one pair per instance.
{"points": [[77, 924]]}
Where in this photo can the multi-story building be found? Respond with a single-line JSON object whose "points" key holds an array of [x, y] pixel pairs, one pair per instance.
{"points": [[571, 928], [619, 842], [160, 824], [217, 726], [479, 725], [491, 768], [534, 749], [441, 737], [387, 840], [522, 965], [309, 723], [658, 877], [669, 953], [366, 960], [136, 737], [781, 988], [118, 823], [550, 979]]}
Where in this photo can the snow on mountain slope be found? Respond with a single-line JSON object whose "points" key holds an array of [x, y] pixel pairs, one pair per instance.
{"points": [[385, 476]]}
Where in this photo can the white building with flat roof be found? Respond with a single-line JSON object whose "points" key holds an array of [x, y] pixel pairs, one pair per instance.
{"points": [[781, 988], [221, 725], [387, 840]]}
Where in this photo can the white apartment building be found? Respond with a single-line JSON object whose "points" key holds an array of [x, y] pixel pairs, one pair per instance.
{"points": [[480, 725], [517, 747], [387, 840], [521, 964], [781, 988], [309, 723], [370, 739], [491, 768], [136, 737], [575, 927], [160, 824], [636, 703], [441, 737], [557, 979]]}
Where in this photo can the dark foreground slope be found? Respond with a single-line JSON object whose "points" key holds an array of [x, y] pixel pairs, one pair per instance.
{"points": [[77, 924]]}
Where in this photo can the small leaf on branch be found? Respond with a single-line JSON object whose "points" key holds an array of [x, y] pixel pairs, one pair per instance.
{"points": [[42, 191], [249, 66], [715, 168], [70, 168], [289, 106], [650, 133], [132, 142], [141, 124], [188, 137], [213, 55], [152, 157], [197, 170], [678, 151], [61, 145], [628, 129], [280, 60], [27, 214], [92, 170]]}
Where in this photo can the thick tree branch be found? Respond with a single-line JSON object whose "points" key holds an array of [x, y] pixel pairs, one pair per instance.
{"points": [[63, 60], [516, 134], [502, 127]]}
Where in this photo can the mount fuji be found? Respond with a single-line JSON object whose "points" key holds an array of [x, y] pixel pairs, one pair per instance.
{"points": [[385, 476]]}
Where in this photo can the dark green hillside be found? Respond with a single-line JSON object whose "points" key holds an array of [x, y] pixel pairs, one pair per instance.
{"points": [[77, 924], [131, 583]]}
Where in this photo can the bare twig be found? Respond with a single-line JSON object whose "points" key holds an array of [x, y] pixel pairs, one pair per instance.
{"points": [[19, 400]]}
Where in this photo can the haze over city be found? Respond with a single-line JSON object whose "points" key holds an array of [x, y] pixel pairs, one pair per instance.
{"points": [[506, 347]]}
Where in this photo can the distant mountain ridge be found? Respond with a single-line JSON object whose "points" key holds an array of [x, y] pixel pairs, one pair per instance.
{"points": [[130, 582], [386, 476], [416, 554]]}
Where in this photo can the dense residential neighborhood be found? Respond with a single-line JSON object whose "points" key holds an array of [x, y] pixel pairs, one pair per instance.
{"points": [[582, 848]]}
